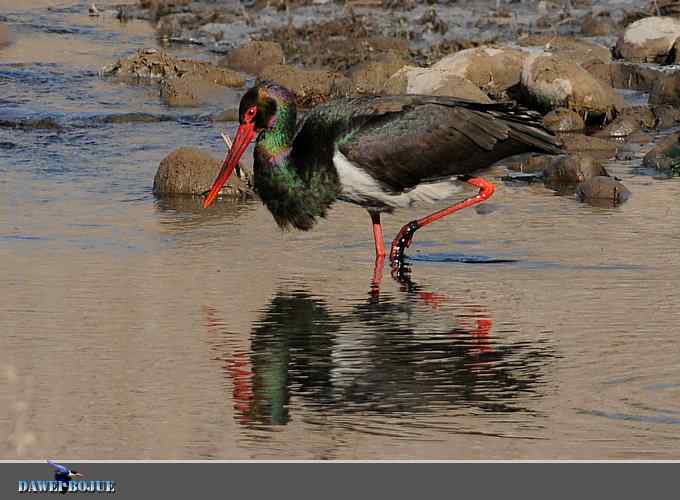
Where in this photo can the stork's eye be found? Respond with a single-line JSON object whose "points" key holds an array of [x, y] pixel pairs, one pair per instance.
{"points": [[250, 113]]}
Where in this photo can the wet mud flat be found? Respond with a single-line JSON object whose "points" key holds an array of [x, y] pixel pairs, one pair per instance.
{"points": [[537, 327]]}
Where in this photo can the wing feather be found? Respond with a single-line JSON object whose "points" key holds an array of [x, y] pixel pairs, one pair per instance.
{"points": [[402, 141]]}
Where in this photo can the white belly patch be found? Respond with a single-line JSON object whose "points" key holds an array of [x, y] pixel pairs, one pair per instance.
{"points": [[359, 187]]}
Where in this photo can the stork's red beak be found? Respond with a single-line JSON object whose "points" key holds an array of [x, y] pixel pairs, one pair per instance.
{"points": [[244, 136]]}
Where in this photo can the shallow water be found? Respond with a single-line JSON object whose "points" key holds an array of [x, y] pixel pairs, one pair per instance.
{"points": [[143, 328]]}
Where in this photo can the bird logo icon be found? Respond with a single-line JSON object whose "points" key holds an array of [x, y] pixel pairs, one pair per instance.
{"points": [[63, 475]]}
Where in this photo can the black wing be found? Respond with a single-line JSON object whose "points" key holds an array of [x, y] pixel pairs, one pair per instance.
{"points": [[404, 140]]}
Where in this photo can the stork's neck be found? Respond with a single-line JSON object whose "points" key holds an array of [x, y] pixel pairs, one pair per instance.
{"points": [[275, 143]]}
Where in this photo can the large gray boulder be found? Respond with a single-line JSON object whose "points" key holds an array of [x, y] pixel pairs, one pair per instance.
{"points": [[574, 49], [648, 40], [413, 80], [549, 81], [494, 70]]}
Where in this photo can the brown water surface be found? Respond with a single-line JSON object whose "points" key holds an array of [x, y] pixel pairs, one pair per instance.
{"points": [[142, 328]]}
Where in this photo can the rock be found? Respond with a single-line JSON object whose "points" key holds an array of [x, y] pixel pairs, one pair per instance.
{"points": [[412, 80], [665, 156], [190, 90], [648, 40], [532, 164], [600, 25], [565, 169], [144, 64], [641, 114], [622, 126], [5, 38], [635, 76], [183, 82], [639, 138], [558, 170], [549, 81], [47, 123], [218, 76], [661, 82], [600, 70], [253, 57], [157, 64], [630, 120], [369, 77], [673, 57], [666, 7], [578, 51], [596, 147], [666, 89], [666, 116], [492, 69], [139, 117], [192, 171], [602, 191], [383, 56], [310, 86], [174, 25], [563, 120]]}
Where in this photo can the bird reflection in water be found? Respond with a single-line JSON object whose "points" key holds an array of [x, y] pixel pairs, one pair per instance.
{"points": [[401, 354]]}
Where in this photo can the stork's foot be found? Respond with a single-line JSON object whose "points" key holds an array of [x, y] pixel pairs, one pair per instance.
{"points": [[402, 242], [401, 273]]}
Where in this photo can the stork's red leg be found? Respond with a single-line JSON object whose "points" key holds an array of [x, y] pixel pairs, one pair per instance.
{"points": [[405, 235], [378, 235], [379, 253]]}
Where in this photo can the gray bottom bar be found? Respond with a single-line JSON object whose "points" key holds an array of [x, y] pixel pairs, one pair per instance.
{"points": [[196, 481]]}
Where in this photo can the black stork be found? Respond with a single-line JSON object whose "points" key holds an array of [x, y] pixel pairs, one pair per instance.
{"points": [[379, 152]]}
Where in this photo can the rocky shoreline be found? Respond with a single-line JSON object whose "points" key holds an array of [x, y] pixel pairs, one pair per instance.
{"points": [[577, 63]]}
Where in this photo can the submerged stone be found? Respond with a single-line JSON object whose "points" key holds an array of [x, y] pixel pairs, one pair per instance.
{"points": [[602, 191], [665, 156], [192, 171]]}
